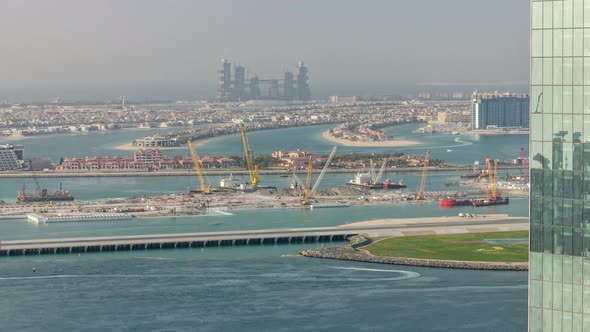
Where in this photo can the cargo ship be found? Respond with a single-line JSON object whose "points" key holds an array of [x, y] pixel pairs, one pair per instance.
{"points": [[451, 202], [231, 183], [365, 180], [495, 201], [470, 175], [388, 184], [44, 196]]}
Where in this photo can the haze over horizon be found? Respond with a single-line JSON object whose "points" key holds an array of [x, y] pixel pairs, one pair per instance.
{"points": [[98, 49]]}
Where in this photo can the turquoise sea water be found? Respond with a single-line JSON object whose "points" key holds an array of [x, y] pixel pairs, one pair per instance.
{"points": [[249, 288], [100, 188], [254, 288], [465, 148]]}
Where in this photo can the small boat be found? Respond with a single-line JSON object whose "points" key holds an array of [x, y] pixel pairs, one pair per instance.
{"points": [[449, 150]]}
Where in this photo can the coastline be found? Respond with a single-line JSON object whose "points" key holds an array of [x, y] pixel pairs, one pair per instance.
{"points": [[395, 143], [494, 132], [130, 147], [190, 172], [342, 253]]}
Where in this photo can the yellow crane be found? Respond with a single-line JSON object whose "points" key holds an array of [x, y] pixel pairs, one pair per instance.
{"points": [[307, 190], [253, 170], [494, 181], [205, 189], [420, 194], [490, 174]]}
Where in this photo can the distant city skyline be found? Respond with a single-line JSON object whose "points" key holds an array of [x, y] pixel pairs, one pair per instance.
{"points": [[151, 49]]}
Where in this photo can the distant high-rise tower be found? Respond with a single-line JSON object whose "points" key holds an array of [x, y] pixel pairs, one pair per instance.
{"points": [[224, 80], [288, 86], [303, 91], [254, 88], [239, 83], [123, 102], [499, 110], [237, 87]]}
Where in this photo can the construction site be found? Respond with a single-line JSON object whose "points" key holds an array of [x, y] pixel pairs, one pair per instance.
{"points": [[479, 187]]}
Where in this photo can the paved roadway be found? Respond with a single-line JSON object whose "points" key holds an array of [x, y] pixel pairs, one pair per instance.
{"points": [[378, 228]]}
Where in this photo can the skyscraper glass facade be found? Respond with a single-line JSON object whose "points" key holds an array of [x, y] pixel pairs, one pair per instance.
{"points": [[559, 276]]}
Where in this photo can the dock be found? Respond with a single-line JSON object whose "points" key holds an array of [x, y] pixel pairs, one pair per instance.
{"points": [[42, 218], [378, 228]]}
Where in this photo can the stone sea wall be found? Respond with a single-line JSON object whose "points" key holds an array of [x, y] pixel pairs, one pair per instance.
{"points": [[347, 254]]}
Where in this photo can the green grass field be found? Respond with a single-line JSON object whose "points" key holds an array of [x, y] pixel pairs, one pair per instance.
{"points": [[460, 247]]}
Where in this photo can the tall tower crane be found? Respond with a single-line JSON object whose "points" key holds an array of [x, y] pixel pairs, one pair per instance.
{"points": [[253, 170], [205, 188], [420, 194]]}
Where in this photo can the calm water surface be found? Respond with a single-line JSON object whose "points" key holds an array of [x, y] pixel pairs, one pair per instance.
{"points": [[251, 289], [464, 148]]}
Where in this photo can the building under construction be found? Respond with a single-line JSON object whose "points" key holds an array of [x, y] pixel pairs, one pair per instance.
{"points": [[293, 86]]}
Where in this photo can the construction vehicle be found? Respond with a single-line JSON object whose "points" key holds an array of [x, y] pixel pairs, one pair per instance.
{"points": [[205, 187], [253, 170], [309, 191], [420, 194]]}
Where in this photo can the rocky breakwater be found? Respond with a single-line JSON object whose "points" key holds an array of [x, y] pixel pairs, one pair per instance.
{"points": [[344, 253]]}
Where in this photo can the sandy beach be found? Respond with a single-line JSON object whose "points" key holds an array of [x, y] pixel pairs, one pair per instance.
{"points": [[395, 143]]}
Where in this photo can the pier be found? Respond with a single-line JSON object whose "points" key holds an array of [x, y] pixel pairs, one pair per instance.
{"points": [[377, 228], [42, 218]]}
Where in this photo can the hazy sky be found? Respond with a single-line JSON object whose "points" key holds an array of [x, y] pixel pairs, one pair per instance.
{"points": [[62, 45]]}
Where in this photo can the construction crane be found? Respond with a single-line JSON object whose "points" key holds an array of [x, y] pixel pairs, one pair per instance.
{"points": [[377, 178], [420, 194], [307, 190], [323, 172], [372, 170], [205, 189], [494, 181], [298, 181], [492, 177], [253, 170], [310, 191]]}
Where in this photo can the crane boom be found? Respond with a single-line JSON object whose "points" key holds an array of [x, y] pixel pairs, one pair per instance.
{"points": [[489, 166], [494, 179], [297, 180], [381, 171], [323, 172], [253, 170], [420, 194], [307, 191], [206, 189]]}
